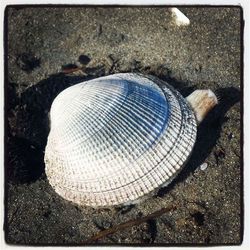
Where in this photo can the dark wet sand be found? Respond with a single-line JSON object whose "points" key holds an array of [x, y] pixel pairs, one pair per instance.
{"points": [[44, 44]]}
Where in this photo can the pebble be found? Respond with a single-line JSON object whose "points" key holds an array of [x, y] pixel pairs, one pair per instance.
{"points": [[179, 17], [203, 166], [230, 136], [83, 59]]}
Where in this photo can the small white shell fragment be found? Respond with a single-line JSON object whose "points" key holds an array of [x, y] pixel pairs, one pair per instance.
{"points": [[180, 18], [203, 166], [202, 101]]}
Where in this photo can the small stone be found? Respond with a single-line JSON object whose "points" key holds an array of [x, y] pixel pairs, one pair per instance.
{"points": [[203, 166], [83, 59], [230, 136]]}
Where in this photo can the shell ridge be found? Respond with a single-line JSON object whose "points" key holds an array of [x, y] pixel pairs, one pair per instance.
{"points": [[173, 146], [92, 123], [142, 145], [148, 128], [156, 138]]}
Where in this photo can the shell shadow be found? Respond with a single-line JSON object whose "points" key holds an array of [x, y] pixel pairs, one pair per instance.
{"points": [[207, 134], [27, 126]]}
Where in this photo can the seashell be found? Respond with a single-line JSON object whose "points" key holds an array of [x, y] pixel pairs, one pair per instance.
{"points": [[179, 18], [117, 138]]}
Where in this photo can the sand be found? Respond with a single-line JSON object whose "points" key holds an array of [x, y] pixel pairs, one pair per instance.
{"points": [[44, 47]]}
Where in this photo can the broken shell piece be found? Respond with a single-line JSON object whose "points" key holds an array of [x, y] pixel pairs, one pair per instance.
{"points": [[179, 17], [202, 101]]}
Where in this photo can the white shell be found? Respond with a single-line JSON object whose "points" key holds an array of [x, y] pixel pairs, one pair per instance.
{"points": [[116, 138]]}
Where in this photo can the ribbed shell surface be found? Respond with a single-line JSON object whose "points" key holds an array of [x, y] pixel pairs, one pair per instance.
{"points": [[116, 138]]}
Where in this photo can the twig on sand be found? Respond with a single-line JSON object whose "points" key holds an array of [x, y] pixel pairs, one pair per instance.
{"points": [[130, 223]]}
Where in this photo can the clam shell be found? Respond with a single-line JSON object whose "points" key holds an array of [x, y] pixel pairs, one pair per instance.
{"points": [[116, 138]]}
